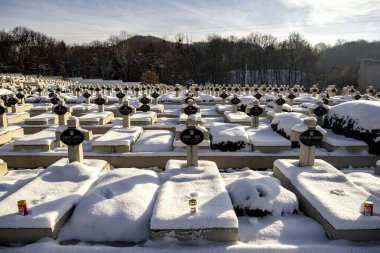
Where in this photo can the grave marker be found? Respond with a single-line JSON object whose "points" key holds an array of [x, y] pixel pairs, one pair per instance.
{"points": [[126, 110], [191, 137], [3, 115], [73, 138], [255, 113], [308, 141], [235, 101], [100, 101]]}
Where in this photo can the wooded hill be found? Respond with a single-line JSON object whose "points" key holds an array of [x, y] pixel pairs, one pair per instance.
{"points": [[257, 58]]}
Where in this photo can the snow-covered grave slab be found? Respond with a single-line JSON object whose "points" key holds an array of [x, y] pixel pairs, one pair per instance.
{"points": [[154, 141], [117, 140], [42, 119], [158, 108], [17, 117], [143, 118], [7, 133], [214, 219], [335, 141], [255, 194], [328, 196], [183, 118], [50, 197], [170, 113], [118, 208], [15, 179], [268, 141], [96, 118], [365, 179], [223, 108], [237, 117], [78, 110], [229, 137], [44, 140], [37, 110]]}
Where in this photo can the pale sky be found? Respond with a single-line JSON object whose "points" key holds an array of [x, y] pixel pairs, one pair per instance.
{"points": [[77, 21]]}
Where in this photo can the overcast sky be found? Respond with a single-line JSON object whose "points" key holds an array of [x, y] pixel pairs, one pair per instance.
{"points": [[77, 21]]}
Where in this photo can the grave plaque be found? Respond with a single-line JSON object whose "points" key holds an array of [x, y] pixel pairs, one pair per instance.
{"points": [[20, 96], [100, 101], [235, 101], [144, 100], [72, 137], [60, 110], [12, 101], [223, 95], [120, 95], [39, 90], [2, 110], [86, 95], [54, 100], [291, 96], [191, 136], [77, 89], [155, 95], [256, 111], [311, 138], [51, 94], [320, 111], [125, 110], [280, 101], [144, 108], [58, 89], [258, 96], [357, 97], [326, 101], [190, 110]]}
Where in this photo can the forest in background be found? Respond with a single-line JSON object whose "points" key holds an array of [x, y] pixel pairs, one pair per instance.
{"points": [[255, 59]]}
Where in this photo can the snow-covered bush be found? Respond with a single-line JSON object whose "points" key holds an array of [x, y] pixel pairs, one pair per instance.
{"points": [[283, 123], [255, 194], [229, 137], [357, 119]]}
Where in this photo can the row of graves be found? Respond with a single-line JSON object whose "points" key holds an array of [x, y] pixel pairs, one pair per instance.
{"points": [[190, 200], [192, 133]]}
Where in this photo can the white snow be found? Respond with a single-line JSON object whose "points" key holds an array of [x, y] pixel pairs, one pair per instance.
{"points": [[337, 199], [15, 179], [286, 121], [50, 195], [223, 132], [237, 117], [266, 137], [214, 208], [117, 208], [143, 117], [44, 137], [43, 117], [367, 181], [252, 190], [342, 141], [363, 112], [94, 116], [118, 136], [154, 141]]}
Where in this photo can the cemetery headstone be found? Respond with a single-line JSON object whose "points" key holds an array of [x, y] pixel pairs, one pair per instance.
{"points": [[73, 138], [308, 141]]}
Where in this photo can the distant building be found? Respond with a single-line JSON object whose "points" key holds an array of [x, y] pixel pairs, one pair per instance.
{"points": [[369, 74]]}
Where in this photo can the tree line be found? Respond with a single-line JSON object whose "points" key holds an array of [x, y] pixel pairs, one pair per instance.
{"points": [[254, 59]]}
